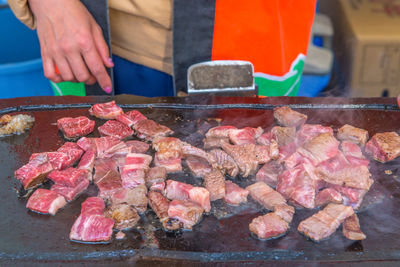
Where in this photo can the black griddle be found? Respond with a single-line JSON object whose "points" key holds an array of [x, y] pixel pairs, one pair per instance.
{"points": [[27, 237]]}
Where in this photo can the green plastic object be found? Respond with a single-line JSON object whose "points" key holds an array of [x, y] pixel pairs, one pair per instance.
{"points": [[68, 88]]}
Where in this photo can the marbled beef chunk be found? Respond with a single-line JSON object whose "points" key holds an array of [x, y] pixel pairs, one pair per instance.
{"points": [[106, 111], [269, 173], [199, 167], [328, 195], [130, 118], [268, 226], [352, 134], [287, 117], [384, 147], [73, 128], [234, 194], [186, 211], [149, 129], [71, 192], [351, 228], [45, 201], [115, 129], [34, 173], [183, 191]]}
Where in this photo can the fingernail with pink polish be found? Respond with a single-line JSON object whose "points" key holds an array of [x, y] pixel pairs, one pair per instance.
{"points": [[108, 89], [110, 61]]}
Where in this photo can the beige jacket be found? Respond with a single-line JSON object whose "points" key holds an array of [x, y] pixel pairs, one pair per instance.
{"points": [[141, 30]]}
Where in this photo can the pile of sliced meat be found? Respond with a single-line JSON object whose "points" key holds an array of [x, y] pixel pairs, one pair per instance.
{"points": [[294, 165]]}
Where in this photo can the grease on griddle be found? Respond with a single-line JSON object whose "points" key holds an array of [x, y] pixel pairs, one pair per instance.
{"points": [[16, 124]]}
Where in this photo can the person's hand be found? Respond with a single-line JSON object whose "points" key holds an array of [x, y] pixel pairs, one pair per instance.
{"points": [[72, 43]]}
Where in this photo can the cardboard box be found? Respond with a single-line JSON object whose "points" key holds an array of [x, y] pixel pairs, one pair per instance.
{"points": [[367, 44]]}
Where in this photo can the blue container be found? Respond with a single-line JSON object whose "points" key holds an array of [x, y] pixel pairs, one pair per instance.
{"points": [[21, 72]]}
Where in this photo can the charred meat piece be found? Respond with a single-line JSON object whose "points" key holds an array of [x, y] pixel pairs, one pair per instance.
{"points": [[137, 146], [130, 118], [73, 152], [234, 194], [107, 111], [71, 192], [284, 135], [328, 195], [199, 167], [246, 135], [134, 170], [135, 197], [324, 223], [384, 147], [123, 215], [309, 131], [351, 228], [92, 225], [87, 163], [70, 177], [265, 195], [224, 162], [73, 128], [268, 226], [187, 212], [320, 148], [149, 129], [182, 191], [45, 201], [245, 157], [214, 181], [353, 134], [220, 131], [115, 129], [155, 175], [287, 117], [34, 172], [159, 204], [269, 173]]}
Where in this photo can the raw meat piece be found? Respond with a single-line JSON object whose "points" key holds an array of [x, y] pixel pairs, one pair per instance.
{"points": [[92, 228], [328, 195], [159, 204], [70, 193], [224, 162], [234, 194], [198, 166], [284, 211], [107, 111], [244, 156], [58, 160], [159, 187], [115, 129], [75, 127], [285, 116], [320, 148], [182, 191], [87, 163], [155, 175], [246, 135], [107, 146], [130, 118], [384, 147], [137, 146], [73, 152], [324, 223], [309, 131], [284, 135], [149, 129], [34, 172], [265, 195], [351, 196], [134, 170], [168, 147], [352, 134], [351, 228], [124, 216], [214, 142], [214, 181], [45, 201], [102, 167], [171, 164], [87, 144], [135, 197], [269, 173], [92, 206], [220, 131], [268, 226], [70, 177], [187, 212], [297, 185], [109, 184]]}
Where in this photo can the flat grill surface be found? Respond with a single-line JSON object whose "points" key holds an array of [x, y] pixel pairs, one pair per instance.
{"points": [[221, 236]]}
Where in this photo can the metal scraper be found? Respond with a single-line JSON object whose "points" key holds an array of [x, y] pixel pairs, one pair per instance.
{"points": [[231, 77]]}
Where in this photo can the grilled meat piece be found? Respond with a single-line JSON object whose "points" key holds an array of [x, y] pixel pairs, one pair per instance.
{"points": [[244, 136], [328, 195], [199, 167], [35, 172], [134, 170], [214, 181], [351, 196], [287, 117], [107, 111], [220, 131], [309, 131], [352, 134], [137, 146], [149, 129], [130, 118], [182, 191], [187, 212], [45, 201], [324, 223], [159, 204], [155, 175], [135, 197], [384, 147], [351, 228], [320, 148], [265, 195], [170, 164], [284, 135], [269, 173], [214, 142], [110, 183], [244, 156], [115, 129], [123, 215], [87, 163], [284, 211], [224, 162], [168, 147], [268, 226], [73, 128], [234, 194]]}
